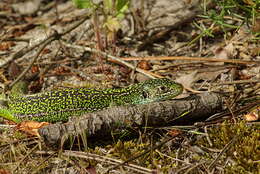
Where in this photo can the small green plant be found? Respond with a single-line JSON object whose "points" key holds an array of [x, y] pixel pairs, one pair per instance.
{"points": [[227, 15], [113, 12]]}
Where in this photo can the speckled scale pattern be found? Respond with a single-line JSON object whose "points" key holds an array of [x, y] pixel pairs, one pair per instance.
{"points": [[59, 105]]}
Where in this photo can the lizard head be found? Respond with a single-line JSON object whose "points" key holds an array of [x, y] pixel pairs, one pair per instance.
{"points": [[157, 90]]}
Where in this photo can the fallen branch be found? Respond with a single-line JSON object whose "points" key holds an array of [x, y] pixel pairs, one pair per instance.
{"points": [[158, 114]]}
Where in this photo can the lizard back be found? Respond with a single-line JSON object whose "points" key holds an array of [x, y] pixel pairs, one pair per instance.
{"points": [[59, 105]]}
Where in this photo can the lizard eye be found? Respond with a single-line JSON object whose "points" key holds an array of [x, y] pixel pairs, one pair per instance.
{"points": [[145, 94], [162, 88]]}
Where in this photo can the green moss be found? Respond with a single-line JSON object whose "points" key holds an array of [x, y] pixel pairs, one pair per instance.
{"points": [[244, 152]]}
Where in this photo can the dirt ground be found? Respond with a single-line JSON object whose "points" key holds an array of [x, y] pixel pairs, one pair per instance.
{"points": [[212, 48]]}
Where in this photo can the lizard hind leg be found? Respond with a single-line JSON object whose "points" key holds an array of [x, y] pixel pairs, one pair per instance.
{"points": [[6, 114]]}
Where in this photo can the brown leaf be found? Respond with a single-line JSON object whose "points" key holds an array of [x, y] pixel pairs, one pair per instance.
{"points": [[14, 70], [256, 26], [61, 70], [226, 52], [31, 127], [27, 8], [249, 2], [3, 171], [35, 69], [210, 75], [244, 76], [174, 132], [255, 51], [253, 115], [144, 65], [45, 51], [188, 79], [91, 170], [4, 46]]}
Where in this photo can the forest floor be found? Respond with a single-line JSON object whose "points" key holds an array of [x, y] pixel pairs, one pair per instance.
{"points": [[208, 47]]}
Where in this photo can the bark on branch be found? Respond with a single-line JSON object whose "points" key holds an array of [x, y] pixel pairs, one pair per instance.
{"points": [[196, 107]]}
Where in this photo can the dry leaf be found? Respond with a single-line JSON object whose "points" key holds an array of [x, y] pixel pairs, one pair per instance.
{"points": [[253, 115], [14, 70], [249, 2], [91, 170], [5, 46], [31, 127], [35, 69], [188, 80], [174, 132], [211, 75], [27, 8], [256, 26], [255, 51], [144, 65], [3, 171], [226, 52]]}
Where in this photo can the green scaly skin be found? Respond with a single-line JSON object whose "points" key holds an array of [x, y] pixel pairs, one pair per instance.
{"points": [[59, 105]]}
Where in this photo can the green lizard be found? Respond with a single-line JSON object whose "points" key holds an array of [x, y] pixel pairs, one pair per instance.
{"points": [[59, 105]]}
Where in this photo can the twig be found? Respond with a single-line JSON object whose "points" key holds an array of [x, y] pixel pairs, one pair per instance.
{"points": [[6, 126], [28, 153], [147, 73], [73, 162], [220, 117], [227, 146], [238, 82], [15, 142], [87, 155], [207, 136], [175, 159], [25, 50], [78, 72], [16, 39], [142, 154], [44, 43], [46, 159], [193, 167], [32, 62], [208, 59], [188, 167]]}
